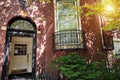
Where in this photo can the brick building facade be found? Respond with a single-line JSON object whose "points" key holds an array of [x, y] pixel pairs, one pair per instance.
{"points": [[41, 39]]}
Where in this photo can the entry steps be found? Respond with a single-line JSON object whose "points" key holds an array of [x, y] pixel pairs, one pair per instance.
{"points": [[20, 79]]}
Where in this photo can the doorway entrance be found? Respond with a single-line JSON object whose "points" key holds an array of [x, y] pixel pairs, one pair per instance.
{"points": [[20, 49], [20, 55]]}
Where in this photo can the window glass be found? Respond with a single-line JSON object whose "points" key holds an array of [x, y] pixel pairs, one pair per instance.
{"points": [[116, 42], [66, 15], [20, 49], [22, 24], [67, 25]]}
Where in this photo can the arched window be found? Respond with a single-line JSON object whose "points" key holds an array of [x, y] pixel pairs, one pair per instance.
{"points": [[22, 25]]}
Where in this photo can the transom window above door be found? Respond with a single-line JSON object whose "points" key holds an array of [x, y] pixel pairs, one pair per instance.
{"points": [[22, 25]]}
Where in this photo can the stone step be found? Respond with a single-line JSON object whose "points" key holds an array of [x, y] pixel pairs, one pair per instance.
{"points": [[18, 79]]}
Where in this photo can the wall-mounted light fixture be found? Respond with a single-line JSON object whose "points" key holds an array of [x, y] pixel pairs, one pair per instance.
{"points": [[23, 13], [23, 5]]}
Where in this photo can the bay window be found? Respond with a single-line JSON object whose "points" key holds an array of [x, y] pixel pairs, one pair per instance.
{"points": [[68, 34]]}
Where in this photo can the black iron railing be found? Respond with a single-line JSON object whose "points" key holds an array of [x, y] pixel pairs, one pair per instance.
{"points": [[68, 40]]}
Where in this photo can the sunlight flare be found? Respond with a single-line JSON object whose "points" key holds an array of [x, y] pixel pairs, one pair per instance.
{"points": [[109, 8]]}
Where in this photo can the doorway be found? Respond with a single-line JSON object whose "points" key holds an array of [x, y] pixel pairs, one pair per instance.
{"points": [[20, 49], [20, 55]]}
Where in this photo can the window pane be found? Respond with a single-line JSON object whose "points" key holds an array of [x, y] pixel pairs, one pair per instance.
{"points": [[22, 24], [20, 49], [67, 18], [68, 34], [116, 42]]}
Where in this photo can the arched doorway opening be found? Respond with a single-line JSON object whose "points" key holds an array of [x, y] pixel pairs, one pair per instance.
{"points": [[20, 49]]}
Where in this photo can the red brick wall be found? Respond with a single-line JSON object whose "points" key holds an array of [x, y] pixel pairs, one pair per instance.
{"points": [[2, 42], [91, 26], [43, 15]]}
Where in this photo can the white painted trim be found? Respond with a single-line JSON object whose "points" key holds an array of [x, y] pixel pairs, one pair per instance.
{"points": [[38, 32], [79, 25], [116, 39], [54, 2], [3, 28]]}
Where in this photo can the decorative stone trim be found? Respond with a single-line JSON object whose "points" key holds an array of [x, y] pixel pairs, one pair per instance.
{"points": [[3, 27]]}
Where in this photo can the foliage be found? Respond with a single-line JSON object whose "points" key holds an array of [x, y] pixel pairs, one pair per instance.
{"points": [[75, 67], [109, 73], [110, 9], [47, 1]]}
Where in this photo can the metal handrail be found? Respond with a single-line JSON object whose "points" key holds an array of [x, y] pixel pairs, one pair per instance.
{"points": [[73, 39]]}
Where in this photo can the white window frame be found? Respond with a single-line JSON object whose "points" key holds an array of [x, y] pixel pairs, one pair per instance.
{"points": [[79, 26], [116, 48], [79, 41]]}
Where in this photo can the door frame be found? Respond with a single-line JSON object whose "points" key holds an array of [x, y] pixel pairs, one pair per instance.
{"points": [[24, 33]]}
